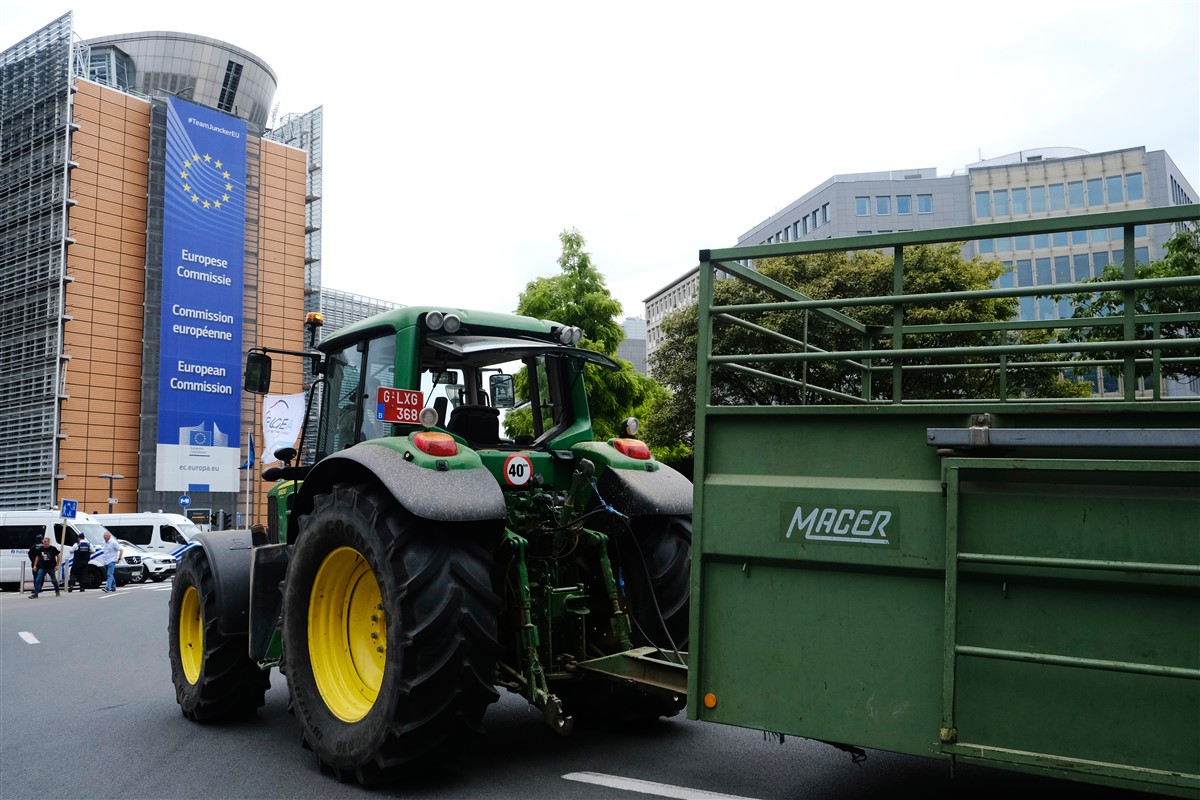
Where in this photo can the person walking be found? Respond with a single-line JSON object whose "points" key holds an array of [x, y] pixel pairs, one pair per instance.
{"points": [[81, 556], [110, 554], [45, 564]]}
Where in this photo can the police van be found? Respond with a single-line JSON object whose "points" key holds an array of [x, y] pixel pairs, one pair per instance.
{"points": [[154, 531], [20, 530]]}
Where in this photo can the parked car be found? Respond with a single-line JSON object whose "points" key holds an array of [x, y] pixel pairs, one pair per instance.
{"points": [[156, 567]]}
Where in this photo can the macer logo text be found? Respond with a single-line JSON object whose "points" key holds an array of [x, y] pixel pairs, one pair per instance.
{"points": [[839, 524]]}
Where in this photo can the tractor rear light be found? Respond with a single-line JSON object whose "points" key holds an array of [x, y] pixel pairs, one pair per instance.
{"points": [[634, 448], [435, 444]]}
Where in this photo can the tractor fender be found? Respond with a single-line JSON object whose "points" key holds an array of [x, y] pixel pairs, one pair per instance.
{"points": [[452, 495], [229, 554], [637, 492]]}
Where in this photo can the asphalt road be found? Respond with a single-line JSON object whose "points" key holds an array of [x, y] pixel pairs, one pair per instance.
{"points": [[87, 710]]}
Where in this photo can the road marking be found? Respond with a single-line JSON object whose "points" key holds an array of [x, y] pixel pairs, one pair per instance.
{"points": [[28, 637], [648, 787]]}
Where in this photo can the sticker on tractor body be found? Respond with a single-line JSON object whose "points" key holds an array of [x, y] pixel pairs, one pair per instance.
{"points": [[518, 470]]}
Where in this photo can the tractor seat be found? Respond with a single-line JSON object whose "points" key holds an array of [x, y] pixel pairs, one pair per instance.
{"points": [[479, 425]]}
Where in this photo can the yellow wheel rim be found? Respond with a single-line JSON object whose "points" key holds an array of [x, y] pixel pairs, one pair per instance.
{"points": [[191, 635], [347, 636]]}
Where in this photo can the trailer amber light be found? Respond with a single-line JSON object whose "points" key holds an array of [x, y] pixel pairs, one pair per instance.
{"points": [[435, 444], [710, 700], [634, 448]]}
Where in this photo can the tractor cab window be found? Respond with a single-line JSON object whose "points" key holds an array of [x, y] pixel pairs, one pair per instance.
{"points": [[355, 374]]}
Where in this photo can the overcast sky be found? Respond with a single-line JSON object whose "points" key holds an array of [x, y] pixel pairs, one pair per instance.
{"points": [[461, 138]]}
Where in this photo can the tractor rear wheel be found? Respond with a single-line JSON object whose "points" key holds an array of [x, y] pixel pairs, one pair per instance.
{"points": [[390, 632], [214, 676], [656, 564]]}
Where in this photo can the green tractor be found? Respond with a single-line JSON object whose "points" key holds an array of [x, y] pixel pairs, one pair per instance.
{"points": [[425, 560]]}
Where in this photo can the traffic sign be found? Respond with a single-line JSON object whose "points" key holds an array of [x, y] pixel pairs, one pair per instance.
{"points": [[185, 501], [68, 509]]}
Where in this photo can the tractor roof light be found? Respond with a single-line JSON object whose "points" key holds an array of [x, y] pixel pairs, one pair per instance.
{"points": [[314, 318], [564, 334], [434, 320], [576, 335], [634, 448], [428, 417], [451, 323], [435, 443], [629, 427]]}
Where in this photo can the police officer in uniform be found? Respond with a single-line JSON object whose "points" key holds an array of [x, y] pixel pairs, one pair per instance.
{"points": [[79, 565]]}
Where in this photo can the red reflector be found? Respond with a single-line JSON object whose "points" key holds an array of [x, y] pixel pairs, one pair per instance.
{"points": [[435, 444], [634, 448]]}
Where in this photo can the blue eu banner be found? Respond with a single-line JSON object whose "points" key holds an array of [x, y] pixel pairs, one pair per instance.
{"points": [[204, 232]]}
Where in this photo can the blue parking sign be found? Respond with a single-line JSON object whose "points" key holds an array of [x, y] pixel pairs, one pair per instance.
{"points": [[185, 501], [68, 509]]}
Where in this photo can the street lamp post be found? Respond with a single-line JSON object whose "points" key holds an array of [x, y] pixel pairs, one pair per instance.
{"points": [[112, 501]]}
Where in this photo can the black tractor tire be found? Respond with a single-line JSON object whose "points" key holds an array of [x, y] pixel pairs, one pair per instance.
{"points": [[431, 660], [656, 566], [225, 683]]}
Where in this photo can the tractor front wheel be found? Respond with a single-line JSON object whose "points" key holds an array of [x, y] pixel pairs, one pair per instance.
{"points": [[214, 676], [390, 632]]}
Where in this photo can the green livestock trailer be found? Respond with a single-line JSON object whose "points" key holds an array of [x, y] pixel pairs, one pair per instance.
{"points": [[925, 537]]}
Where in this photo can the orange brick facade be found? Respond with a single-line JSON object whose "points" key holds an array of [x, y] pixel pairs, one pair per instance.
{"points": [[100, 423]]}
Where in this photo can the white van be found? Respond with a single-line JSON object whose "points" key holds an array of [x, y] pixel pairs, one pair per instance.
{"points": [[20, 530], [154, 531]]}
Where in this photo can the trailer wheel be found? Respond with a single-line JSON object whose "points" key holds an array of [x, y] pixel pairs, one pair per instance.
{"points": [[656, 564], [214, 676], [390, 632]]}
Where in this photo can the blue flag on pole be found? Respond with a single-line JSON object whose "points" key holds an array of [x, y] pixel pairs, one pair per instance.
{"points": [[249, 463]]}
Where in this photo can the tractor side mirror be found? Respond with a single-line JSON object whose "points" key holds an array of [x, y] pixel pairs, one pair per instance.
{"points": [[258, 373], [502, 391]]}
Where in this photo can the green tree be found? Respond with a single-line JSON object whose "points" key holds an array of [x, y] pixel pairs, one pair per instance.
{"points": [[578, 296], [937, 268], [1181, 260]]}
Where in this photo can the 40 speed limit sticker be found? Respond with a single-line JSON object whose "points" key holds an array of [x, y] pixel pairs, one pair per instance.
{"points": [[518, 470]]}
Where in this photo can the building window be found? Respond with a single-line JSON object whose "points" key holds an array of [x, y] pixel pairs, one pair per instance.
{"points": [[1041, 241], [1037, 198], [864, 233], [924, 204], [1062, 269], [1000, 196], [1075, 194], [1004, 244], [1024, 272], [1115, 194], [1078, 237], [1095, 191], [1082, 269], [1133, 182], [804, 223], [1057, 198], [1098, 235], [1021, 243], [862, 206], [904, 204], [986, 246], [983, 204], [825, 213], [816, 221], [1019, 204], [1043, 271], [883, 206]]}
